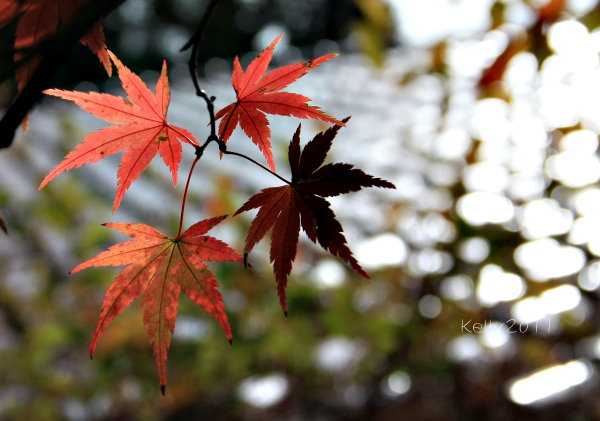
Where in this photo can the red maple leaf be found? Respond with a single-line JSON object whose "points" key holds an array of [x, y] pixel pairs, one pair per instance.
{"points": [[158, 268], [8, 10], [258, 94], [39, 20], [551, 10], [302, 203], [141, 129], [495, 72]]}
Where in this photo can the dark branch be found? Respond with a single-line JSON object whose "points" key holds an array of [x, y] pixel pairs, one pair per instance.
{"points": [[194, 42], [195, 39], [52, 56]]}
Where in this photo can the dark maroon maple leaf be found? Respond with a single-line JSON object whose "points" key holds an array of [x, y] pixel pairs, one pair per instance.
{"points": [[302, 203]]}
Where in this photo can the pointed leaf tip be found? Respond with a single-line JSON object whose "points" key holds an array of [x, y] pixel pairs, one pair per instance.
{"points": [[303, 204], [285, 313], [160, 269], [230, 341], [259, 94], [139, 129], [163, 389]]}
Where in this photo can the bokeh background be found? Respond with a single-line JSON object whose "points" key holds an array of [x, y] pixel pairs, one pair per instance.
{"points": [[483, 302]]}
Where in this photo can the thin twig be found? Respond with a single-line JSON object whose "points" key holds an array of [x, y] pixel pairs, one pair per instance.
{"points": [[194, 42], [197, 36], [227, 152]]}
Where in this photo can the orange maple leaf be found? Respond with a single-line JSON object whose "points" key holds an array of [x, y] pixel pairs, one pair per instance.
{"points": [[258, 94], [158, 268], [141, 129]]}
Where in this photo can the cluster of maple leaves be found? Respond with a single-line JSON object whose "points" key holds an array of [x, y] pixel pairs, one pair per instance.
{"points": [[159, 267]]}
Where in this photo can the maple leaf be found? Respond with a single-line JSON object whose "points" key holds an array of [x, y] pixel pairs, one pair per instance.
{"points": [[8, 10], [141, 129], [495, 72], [158, 268], [551, 10], [302, 203], [258, 94], [39, 20]]}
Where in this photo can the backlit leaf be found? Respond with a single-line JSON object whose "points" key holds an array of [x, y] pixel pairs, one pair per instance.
{"points": [[258, 94], [157, 269], [301, 204], [140, 129]]}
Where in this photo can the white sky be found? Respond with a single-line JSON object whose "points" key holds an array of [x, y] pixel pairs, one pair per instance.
{"points": [[425, 22]]}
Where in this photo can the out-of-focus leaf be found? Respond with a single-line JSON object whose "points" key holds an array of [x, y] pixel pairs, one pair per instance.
{"points": [[591, 19], [3, 225], [374, 31], [8, 10], [552, 10], [38, 20], [497, 14], [438, 58], [495, 72]]}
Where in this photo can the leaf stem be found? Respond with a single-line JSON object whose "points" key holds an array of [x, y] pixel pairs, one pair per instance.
{"points": [[227, 152], [194, 43], [185, 192]]}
